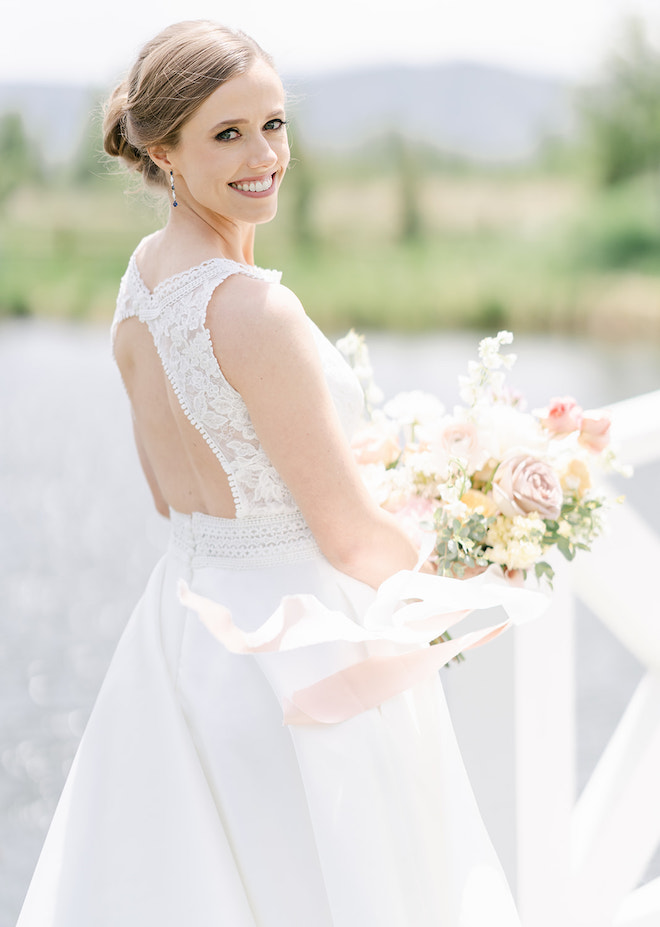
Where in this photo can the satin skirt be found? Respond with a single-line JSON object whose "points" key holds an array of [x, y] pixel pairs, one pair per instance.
{"points": [[190, 803]]}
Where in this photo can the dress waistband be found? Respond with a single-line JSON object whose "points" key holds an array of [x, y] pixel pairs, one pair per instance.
{"points": [[241, 543]]}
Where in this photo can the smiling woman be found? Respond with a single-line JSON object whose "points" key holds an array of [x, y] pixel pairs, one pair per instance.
{"points": [[189, 802]]}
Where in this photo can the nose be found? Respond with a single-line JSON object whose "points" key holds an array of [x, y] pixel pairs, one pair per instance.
{"points": [[261, 153]]}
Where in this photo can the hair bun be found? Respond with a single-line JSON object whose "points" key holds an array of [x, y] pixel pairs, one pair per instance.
{"points": [[116, 136]]}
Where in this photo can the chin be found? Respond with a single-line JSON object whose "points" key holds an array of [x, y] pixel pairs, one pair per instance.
{"points": [[268, 216]]}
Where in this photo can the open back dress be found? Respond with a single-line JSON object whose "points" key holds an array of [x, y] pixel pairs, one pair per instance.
{"points": [[190, 803]]}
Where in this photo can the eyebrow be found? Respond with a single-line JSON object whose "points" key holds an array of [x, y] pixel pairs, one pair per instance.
{"points": [[226, 123]]}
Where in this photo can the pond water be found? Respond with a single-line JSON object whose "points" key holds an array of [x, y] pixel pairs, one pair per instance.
{"points": [[78, 538]]}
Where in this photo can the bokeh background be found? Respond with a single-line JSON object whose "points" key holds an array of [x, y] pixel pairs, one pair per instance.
{"points": [[457, 169], [493, 165]]}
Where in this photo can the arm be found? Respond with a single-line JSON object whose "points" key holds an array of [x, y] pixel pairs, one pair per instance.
{"points": [[266, 350]]}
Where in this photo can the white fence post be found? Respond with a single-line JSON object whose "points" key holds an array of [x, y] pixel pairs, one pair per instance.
{"points": [[617, 820], [577, 864], [545, 759]]}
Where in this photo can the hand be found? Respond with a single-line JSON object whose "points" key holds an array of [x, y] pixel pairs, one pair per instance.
{"points": [[515, 577], [473, 571], [430, 567]]}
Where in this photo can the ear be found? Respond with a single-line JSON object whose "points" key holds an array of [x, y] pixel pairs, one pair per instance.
{"points": [[159, 156]]}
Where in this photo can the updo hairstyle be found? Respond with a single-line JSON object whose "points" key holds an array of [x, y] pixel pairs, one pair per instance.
{"points": [[172, 76]]}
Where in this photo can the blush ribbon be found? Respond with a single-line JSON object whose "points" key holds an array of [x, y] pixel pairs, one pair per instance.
{"points": [[410, 609]]}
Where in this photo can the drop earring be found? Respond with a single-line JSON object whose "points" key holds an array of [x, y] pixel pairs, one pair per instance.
{"points": [[174, 202]]}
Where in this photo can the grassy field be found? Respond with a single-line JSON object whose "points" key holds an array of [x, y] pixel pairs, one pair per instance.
{"points": [[534, 252]]}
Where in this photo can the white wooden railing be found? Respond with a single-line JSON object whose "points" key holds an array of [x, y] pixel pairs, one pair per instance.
{"points": [[579, 862]]}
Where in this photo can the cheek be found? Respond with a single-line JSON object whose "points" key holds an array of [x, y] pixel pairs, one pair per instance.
{"points": [[284, 153], [212, 173], [197, 168]]}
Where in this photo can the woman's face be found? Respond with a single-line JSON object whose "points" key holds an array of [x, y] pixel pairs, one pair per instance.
{"points": [[233, 151]]}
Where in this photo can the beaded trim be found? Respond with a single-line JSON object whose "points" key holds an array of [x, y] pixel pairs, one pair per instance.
{"points": [[242, 543], [239, 504]]}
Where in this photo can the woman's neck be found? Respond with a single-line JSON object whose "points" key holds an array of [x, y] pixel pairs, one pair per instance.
{"points": [[211, 234]]}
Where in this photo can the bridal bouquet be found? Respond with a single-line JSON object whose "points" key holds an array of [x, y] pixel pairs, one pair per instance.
{"points": [[490, 482]]}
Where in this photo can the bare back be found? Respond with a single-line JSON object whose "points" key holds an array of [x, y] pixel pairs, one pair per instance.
{"points": [[182, 470], [194, 435]]}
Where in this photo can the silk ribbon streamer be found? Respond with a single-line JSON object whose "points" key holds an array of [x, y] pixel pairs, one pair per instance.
{"points": [[372, 681], [409, 608]]}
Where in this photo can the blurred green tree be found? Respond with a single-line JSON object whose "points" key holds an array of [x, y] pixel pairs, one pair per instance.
{"points": [[302, 184], [90, 162], [408, 177], [19, 156], [621, 113]]}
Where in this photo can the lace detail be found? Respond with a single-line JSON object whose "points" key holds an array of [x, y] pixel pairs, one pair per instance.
{"points": [[175, 313], [174, 287], [241, 543]]}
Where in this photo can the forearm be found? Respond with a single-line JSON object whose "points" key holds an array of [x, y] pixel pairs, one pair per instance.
{"points": [[372, 549]]}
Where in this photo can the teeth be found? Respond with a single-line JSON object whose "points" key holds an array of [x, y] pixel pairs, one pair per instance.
{"points": [[255, 186]]}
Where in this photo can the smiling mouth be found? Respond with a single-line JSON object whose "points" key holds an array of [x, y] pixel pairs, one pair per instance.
{"points": [[254, 186]]}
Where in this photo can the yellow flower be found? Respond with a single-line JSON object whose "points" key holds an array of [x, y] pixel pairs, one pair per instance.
{"points": [[565, 529], [576, 478], [478, 501], [485, 474], [516, 542]]}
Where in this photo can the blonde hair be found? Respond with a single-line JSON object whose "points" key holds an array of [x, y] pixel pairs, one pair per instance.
{"points": [[172, 76]]}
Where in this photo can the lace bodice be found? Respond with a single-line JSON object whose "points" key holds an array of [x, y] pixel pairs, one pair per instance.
{"points": [[175, 313]]}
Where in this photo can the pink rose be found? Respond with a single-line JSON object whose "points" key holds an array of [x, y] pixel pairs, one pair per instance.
{"points": [[455, 440], [523, 485], [412, 513], [371, 445], [460, 439], [595, 433], [564, 416]]}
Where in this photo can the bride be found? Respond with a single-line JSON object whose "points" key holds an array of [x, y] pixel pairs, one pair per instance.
{"points": [[190, 802]]}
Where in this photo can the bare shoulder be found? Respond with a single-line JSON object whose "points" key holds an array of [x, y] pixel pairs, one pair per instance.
{"points": [[248, 302], [251, 320]]}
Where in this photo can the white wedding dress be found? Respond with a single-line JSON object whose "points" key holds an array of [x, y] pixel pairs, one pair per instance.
{"points": [[190, 803]]}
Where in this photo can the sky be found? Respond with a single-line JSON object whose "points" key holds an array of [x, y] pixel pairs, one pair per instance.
{"points": [[87, 42]]}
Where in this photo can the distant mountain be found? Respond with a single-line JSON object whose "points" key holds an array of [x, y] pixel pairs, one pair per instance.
{"points": [[471, 109], [486, 113]]}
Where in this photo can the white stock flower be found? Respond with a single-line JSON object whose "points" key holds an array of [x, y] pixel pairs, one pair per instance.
{"points": [[373, 394], [422, 463], [414, 408], [451, 491], [489, 352], [355, 351], [470, 386], [451, 502], [485, 380], [504, 431], [351, 344], [379, 481]]}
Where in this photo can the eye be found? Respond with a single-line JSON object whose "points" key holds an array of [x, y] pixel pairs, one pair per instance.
{"points": [[227, 135], [274, 124]]}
